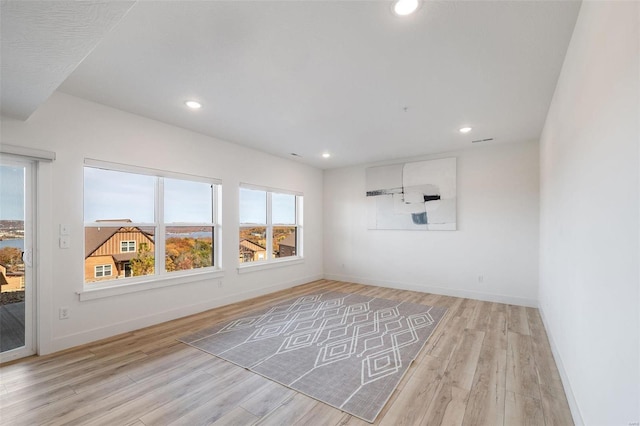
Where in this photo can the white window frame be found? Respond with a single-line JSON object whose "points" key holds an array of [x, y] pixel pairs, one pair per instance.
{"points": [[270, 261], [160, 277], [128, 245], [103, 271]]}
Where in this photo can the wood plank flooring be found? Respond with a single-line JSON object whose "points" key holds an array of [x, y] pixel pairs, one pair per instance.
{"points": [[485, 364]]}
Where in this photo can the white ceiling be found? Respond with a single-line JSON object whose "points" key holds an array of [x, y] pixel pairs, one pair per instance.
{"points": [[347, 77], [43, 42]]}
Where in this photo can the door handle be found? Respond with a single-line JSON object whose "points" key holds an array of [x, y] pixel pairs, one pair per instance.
{"points": [[27, 257]]}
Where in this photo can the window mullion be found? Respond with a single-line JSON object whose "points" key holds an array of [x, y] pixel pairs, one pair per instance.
{"points": [[269, 224], [160, 227], [299, 230], [217, 224]]}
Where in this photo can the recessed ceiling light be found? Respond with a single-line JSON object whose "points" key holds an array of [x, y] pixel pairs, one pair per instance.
{"points": [[405, 7], [193, 104], [465, 129], [326, 155]]}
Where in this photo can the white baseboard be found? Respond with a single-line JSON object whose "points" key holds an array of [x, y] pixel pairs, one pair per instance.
{"points": [[487, 297], [88, 336], [571, 399]]}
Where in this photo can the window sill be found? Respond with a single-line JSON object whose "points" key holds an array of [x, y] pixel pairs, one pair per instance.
{"points": [[146, 284], [261, 266]]}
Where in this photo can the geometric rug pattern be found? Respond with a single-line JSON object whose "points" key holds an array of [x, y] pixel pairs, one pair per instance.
{"points": [[346, 350]]}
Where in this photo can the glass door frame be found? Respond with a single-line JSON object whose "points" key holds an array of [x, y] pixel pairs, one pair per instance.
{"points": [[30, 258]]}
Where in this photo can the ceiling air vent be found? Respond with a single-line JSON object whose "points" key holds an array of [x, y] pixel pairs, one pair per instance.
{"points": [[482, 140]]}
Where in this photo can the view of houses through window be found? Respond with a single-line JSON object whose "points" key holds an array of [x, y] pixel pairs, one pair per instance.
{"points": [[11, 264], [269, 225], [158, 225], [142, 224], [13, 284]]}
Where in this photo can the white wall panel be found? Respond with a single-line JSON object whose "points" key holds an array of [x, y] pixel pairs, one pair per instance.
{"points": [[492, 256], [589, 286]]}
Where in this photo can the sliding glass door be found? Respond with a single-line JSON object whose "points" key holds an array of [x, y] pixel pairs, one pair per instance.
{"points": [[16, 258]]}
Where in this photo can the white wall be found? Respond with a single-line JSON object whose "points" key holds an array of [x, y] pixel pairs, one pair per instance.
{"points": [[497, 234], [589, 216], [75, 129]]}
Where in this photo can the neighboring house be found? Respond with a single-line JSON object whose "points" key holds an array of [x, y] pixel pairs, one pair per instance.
{"points": [[3, 277], [109, 250], [11, 281], [251, 252], [288, 246]]}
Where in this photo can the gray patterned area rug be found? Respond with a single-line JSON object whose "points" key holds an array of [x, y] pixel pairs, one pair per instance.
{"points": [[346, 350]]}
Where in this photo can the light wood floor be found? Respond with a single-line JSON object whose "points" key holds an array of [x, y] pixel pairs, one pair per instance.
{"points": [[485, 364]]}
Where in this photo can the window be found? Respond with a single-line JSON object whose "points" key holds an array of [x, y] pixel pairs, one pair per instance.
{"points": [[189, 226], [163, 224], [102, 271], [127, 246], [270, 225]]}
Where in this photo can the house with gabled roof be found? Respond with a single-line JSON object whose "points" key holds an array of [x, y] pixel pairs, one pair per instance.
{"points": [[11, 280], [110, 249], [251, 252]]}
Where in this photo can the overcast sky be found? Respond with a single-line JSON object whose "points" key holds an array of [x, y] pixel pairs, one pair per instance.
{"points": [[12, 193], [118, 195]]}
